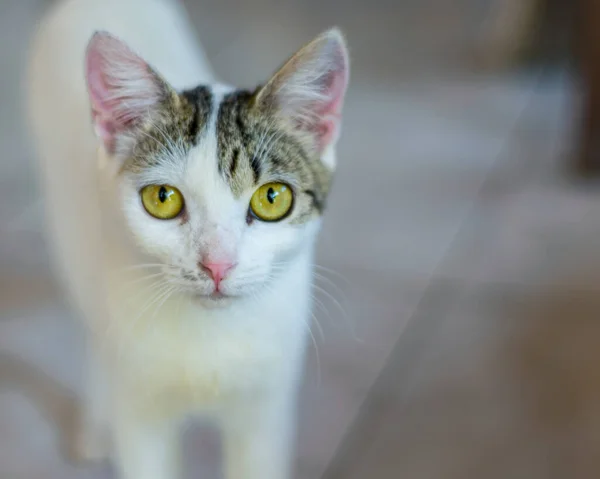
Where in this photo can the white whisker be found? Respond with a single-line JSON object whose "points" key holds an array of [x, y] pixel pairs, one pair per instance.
{"points": [[328, 281], [141, 279], [317, 355], [319, 303], [310, 332], [319, 327], [141, 266], [162, 289], [331, 271]]}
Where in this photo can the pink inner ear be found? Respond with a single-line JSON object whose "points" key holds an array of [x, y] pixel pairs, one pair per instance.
{"points": [[330, 111], [324, 115], [106, 124], [121, 87], [315, 90]]}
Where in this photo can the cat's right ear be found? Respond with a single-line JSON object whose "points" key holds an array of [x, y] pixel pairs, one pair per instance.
{"points": [[308, 90], [123, 88]]}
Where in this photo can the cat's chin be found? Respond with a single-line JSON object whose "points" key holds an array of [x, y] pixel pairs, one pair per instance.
{"points": [[213, 300]]}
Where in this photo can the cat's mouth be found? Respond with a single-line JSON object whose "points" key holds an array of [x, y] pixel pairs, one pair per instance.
{"points": [[214, 299], [218, 296], [206, 292], [198, 289]]}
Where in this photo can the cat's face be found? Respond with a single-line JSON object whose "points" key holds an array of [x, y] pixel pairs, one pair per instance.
{"points": [[223, 187], [221, 181]]}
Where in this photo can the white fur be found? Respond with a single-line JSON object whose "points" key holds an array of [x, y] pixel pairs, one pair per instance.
{"points": [[159, 354]]}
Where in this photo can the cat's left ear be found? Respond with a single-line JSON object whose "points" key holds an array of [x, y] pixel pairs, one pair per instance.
{"points": [[309, 89], [123, 89]]}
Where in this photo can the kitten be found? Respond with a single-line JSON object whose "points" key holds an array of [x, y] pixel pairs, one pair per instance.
{"points": [[214, 195]]}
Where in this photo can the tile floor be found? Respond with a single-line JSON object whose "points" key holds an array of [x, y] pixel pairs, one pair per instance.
{"points": [[466, 261]]}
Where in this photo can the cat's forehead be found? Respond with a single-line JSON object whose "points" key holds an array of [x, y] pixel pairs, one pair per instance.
{"points": [[200, 166], [216, 140], [254, 147]]}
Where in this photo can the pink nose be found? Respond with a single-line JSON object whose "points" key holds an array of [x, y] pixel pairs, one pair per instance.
{"points": [[217, 271]]}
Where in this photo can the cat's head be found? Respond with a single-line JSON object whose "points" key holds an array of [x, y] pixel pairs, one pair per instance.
{"points": [[223, 187]]}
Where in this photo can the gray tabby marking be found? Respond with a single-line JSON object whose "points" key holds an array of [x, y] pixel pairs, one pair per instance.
{"points": [[254, 146]]}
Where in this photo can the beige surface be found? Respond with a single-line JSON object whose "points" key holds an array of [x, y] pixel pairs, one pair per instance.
{"points": [[467, 264]]}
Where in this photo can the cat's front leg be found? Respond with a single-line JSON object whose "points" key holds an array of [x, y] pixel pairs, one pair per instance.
{"points": [[258, 437], [147, 445], [90, 440]]}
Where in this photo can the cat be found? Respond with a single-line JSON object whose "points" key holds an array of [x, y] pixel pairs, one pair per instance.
{"points": [[182, 215]]}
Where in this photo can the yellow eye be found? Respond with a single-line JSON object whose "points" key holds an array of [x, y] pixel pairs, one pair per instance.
{"points": [[272, 202], [162, 201]]}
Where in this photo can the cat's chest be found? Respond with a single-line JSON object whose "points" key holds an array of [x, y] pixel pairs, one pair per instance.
{"points": [[181, 365]]}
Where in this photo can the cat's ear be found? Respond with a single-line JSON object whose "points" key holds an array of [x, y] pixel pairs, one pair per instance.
{"points": [[123, 88], [308, 90]]}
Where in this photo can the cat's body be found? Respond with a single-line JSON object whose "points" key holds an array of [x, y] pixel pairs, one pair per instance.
{"points": [[219, 326]]}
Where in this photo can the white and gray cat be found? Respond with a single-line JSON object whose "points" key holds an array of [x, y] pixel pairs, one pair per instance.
{"points": [[182, 224]]}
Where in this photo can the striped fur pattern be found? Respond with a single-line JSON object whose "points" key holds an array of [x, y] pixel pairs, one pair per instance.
{"points": [[281, 131], [253, 146]]}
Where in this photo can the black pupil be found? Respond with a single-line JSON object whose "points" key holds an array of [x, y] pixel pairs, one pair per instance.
{"points": [[162, 194], [271, 195]]}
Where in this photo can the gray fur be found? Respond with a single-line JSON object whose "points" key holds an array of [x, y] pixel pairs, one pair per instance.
{"points": [[254, 146]]}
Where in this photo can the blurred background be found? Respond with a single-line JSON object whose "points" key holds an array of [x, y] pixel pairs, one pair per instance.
{"points": [[461, 305]]}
